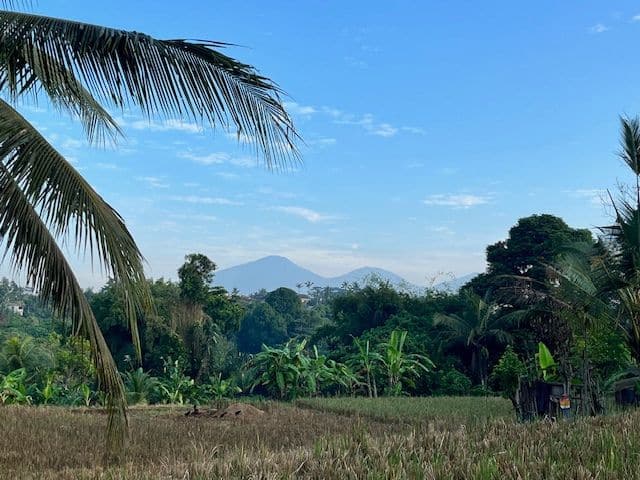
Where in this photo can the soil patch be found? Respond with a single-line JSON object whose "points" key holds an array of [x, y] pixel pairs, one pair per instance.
{"points": [[239, 410]]}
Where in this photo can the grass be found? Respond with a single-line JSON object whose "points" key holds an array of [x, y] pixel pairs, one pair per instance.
{"points": [[466, 410], [435, 439]]}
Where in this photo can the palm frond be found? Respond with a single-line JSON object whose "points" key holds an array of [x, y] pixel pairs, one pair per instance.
{"points": [[71, 207], [163, 78], [630, 143], [34, 250]]}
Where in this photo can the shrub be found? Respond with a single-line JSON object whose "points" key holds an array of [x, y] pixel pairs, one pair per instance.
{"points": [[453, 382]]}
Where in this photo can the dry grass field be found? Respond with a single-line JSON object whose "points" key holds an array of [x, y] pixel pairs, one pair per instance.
{"points": [[422, 439]]}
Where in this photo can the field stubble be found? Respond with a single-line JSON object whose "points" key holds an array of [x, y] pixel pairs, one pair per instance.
{"points": [[291, 442]]}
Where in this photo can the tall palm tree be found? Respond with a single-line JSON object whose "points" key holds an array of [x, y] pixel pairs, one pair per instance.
{"points": [[480, 323], [85, 70]]}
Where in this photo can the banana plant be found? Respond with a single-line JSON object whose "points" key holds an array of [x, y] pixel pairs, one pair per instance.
{"points": [[546, 362], [281, 369], [221, 389], [13, 389], [364, 363], [176, 386], [400, 366]]}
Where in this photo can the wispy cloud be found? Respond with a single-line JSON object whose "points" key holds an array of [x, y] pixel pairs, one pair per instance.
{"points": [[322, 142], [205, 200], [635, 18], [194, 217], [107, 166], [456, 201], [297, 109], [594, 195], [217, 158], [307, 214], [366, 121], [171, 124], [598, 28], [154, 182], [443, 230]]}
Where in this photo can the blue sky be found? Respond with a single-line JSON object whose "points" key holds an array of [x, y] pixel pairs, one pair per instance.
{"points": [[430, 128]]}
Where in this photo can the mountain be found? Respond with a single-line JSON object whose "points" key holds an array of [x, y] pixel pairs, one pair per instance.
{"points": [[274, 271], [269, 273], [454, 284]]}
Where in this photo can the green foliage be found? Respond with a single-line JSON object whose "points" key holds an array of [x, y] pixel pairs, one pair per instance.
{"points": [[285, 302], [479, 326], [13, 389], [196, 274], [219, 389], [288, 372], [365, 363], [505, 376], [358, 310], [281, 370], [261, 325], [140, 386], [399, 366], [176, 387], [546, 363], [455, 383]]}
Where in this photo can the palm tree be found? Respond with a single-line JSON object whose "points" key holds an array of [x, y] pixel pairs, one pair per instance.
{"points": [[479, 324], [84, 70], [623, 241]]}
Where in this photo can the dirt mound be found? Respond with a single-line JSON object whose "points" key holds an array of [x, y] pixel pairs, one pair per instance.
{"points": [[239, 410]]}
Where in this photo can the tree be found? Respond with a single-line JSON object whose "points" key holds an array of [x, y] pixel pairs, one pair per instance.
{"points": [[532, 245], [196, 275], [83, 69], [476, 328], [285, 301], [262, 325], [358, 310]]}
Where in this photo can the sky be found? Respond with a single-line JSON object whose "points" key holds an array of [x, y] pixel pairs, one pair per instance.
{"points": [[429, 129]]}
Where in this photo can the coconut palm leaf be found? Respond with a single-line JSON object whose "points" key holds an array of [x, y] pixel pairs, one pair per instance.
{"points": [[33, 249], [165, 78], [70, 207], [630, 143]]}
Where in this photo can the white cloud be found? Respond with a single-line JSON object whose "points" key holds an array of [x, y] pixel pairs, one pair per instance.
{"points": [[595, 196], [322, 142], [171, 124], [210, 159], [635, 18], [217, 158], [456, 201], [154, 182], [107, 166], [443, 230], [204, 200], [384, 130], [195, 217], [72, 144], [598, 28], [305, 213], [297, 109]]}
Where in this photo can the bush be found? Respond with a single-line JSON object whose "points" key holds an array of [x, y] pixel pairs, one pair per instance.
{"points": [[453, 382], [506, 374]]}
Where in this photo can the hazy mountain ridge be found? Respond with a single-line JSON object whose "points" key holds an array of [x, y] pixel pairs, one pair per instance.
{"points": [[275, 271]]}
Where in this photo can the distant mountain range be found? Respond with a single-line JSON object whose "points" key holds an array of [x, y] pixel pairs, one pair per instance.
{"points": [[274, 271]]}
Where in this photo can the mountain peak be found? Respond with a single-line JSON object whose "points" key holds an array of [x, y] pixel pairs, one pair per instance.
{"points": [[276, 271]]}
